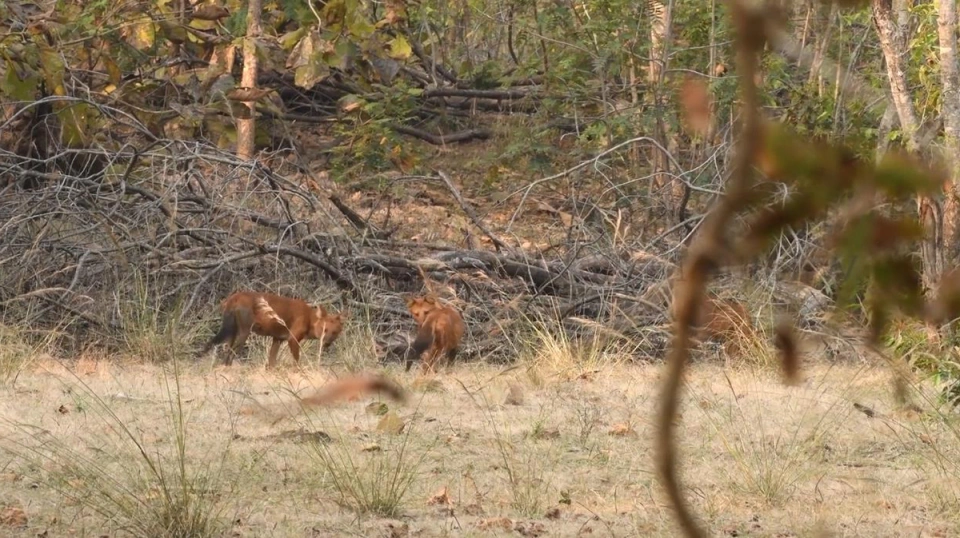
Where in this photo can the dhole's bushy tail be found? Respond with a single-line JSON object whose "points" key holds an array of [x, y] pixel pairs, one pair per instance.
{"points": [[422, 343], [354, 386], [228, 328]]}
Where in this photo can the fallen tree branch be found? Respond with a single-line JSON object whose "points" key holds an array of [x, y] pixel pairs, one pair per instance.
{"points": [[442, 140], [468, 209], [427, 61], [341, 281], [355, 218], [477, 94]]}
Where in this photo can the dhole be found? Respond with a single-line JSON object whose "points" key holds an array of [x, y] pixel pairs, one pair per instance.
{"points": [[281, 318], [440, 331]]}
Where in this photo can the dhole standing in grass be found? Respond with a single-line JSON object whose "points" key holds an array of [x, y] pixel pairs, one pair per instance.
{"points": [[440, 330], [282, 318]]}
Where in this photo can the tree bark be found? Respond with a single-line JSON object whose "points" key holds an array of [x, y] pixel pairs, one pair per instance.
{"points": [[950, 111], [246, 127], [893, 39], [662, 14], [893, 42], [660, 30], [820, 50]]}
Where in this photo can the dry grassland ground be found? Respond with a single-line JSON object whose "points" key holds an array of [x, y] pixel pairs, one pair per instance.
{"points": [[536, 450]]}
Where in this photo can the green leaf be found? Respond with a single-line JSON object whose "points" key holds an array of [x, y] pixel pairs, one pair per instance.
{"points": [[175, 33], [291, 39], [308, 62], [356, 23], [142, 35], [20, 89], [53, 69], [400, 48], [76, 121]]}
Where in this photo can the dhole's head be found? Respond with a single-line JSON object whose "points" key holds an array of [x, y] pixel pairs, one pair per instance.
{"points": [[327, 327], [420, 307]]}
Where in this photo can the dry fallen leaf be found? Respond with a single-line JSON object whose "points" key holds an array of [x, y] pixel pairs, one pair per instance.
{"points": [[514, 395], [621, 430], [13, 516], [440, 497], [495, 523]]}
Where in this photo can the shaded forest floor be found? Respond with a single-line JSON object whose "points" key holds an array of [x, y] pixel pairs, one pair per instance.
{"points": [[541, 449]]}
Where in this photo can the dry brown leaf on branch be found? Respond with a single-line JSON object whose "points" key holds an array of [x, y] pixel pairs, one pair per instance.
{"points": [[209, 12], [247, 94]]}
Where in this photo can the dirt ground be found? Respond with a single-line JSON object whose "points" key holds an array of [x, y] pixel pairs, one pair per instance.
{"points": [[527, 451]]}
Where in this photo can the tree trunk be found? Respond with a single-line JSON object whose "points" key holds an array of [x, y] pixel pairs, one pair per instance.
{"points": [[802, 11], [893, 39], [661, 14], [820, 49], [887, 123], [246, 127], [950, 111], [893, 42], [660, 30]]}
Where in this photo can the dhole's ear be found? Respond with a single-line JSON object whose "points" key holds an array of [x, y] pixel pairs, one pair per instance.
{"points": [[344, 314]]}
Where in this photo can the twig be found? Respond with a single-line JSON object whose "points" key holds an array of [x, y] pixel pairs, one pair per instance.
{"points": [[341, 281], [497, 242], [705, 256], [477, 94], [355, 219], [442, 140]]}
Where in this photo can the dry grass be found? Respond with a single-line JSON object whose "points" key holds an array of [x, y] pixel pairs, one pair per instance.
{"points": [[562, 450]]}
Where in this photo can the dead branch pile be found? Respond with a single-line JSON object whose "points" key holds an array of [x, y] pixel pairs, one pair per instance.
{"points": [[173, 227]]}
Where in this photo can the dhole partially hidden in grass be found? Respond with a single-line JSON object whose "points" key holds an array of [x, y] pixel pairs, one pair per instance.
{"points": [[440, 330], [282, 318]]}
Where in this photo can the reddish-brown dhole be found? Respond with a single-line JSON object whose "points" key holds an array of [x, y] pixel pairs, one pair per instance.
{"points": [[440, 329], [284, 319]]}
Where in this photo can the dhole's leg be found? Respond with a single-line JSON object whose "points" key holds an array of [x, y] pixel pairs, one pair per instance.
{"points": [[274, 351], [294, 344], [239, 338], [228, 327], [429, 362], [450, 356]]}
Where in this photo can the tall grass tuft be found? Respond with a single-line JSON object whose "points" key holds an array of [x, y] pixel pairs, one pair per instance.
{"points": [[151, 330], [18, 350], [373, 479], [138, 487]]}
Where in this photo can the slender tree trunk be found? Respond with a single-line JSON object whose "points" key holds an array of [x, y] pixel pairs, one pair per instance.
{"points": [[893, 39], [660, 33], [820, 49], [893, 42], [950, 111], [246, 127], [887, 123], [804, 29]]}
